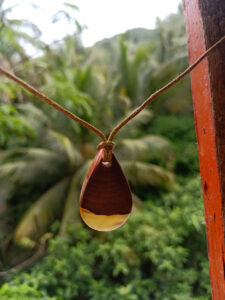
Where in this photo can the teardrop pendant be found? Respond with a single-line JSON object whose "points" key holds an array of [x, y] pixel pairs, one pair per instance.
{"points": [[105, 200]]}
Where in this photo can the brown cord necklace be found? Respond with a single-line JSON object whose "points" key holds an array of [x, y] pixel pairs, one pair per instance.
{"points": [[105, 199]]}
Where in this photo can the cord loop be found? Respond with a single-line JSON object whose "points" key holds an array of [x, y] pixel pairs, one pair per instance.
{"points": [[108, 147]]}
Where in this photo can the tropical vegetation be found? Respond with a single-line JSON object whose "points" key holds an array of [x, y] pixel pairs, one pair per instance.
{"points": [[46, 250]]}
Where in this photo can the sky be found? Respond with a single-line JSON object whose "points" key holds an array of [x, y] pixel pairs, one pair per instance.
{"points": [[102, 18]]}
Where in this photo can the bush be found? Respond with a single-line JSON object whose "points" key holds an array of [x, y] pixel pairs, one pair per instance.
{"points": [[159, 254], [14, 130], [180, 130]]}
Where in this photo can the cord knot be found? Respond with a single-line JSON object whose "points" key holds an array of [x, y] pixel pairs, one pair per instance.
{"points": [[107, 146]]}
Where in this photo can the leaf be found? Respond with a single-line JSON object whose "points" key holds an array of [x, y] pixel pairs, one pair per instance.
{"points": [[26, 24], [34, 116], [74, 7], [144, 174], [42, 213], [150, 147], [59, 15], [82, 172], [14, 130], [32, 166], [132, 127], [34, 41], [137, 203], [61, 143], [71, 210]]}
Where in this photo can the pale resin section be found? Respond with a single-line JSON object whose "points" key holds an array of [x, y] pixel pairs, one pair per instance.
{"points": [[102, 222]]}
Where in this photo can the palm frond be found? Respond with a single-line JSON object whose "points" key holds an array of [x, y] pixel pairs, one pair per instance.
{"points": [[5, 192], [131, 149], [137, 203], [81, 173], [132, 127], [72, 6], [71, 210], [33, 116], [144, 174], [150, 147], [61, 143], [32, 165], [42, 213]]}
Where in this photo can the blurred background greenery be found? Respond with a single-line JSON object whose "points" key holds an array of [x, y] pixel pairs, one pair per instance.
{"points": [[160, 253]]}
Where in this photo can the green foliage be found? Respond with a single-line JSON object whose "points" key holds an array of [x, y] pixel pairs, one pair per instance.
{"points": [[42, 213], [21, 292], [148, 148], [160, 252], [14, 130], [34, 174], [179, 129], [15, 33], [27, 173], [144, 174], [136, 126], [153, 256], [64, 91]]}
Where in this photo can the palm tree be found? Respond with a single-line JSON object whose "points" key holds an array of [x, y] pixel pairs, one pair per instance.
{"points": [[171, 59], [14, 33], [51, 171], [46, 175]]}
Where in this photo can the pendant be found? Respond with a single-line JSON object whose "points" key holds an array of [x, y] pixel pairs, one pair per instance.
{"points": [[105, 200]]}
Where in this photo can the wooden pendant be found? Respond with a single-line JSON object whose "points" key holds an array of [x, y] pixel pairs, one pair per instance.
{"points": [[105, 200]]}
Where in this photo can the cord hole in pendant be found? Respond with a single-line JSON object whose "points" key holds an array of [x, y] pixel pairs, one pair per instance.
{"points": [[107, 164]]}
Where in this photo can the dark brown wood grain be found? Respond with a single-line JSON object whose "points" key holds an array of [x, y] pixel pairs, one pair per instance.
{"points": [[106, 190]]}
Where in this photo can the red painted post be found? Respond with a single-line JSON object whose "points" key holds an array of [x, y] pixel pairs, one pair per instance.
{"points": [[205, 24]]}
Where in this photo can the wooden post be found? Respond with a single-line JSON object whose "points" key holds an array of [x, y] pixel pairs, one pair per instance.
{"points": [[205, 24]]}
